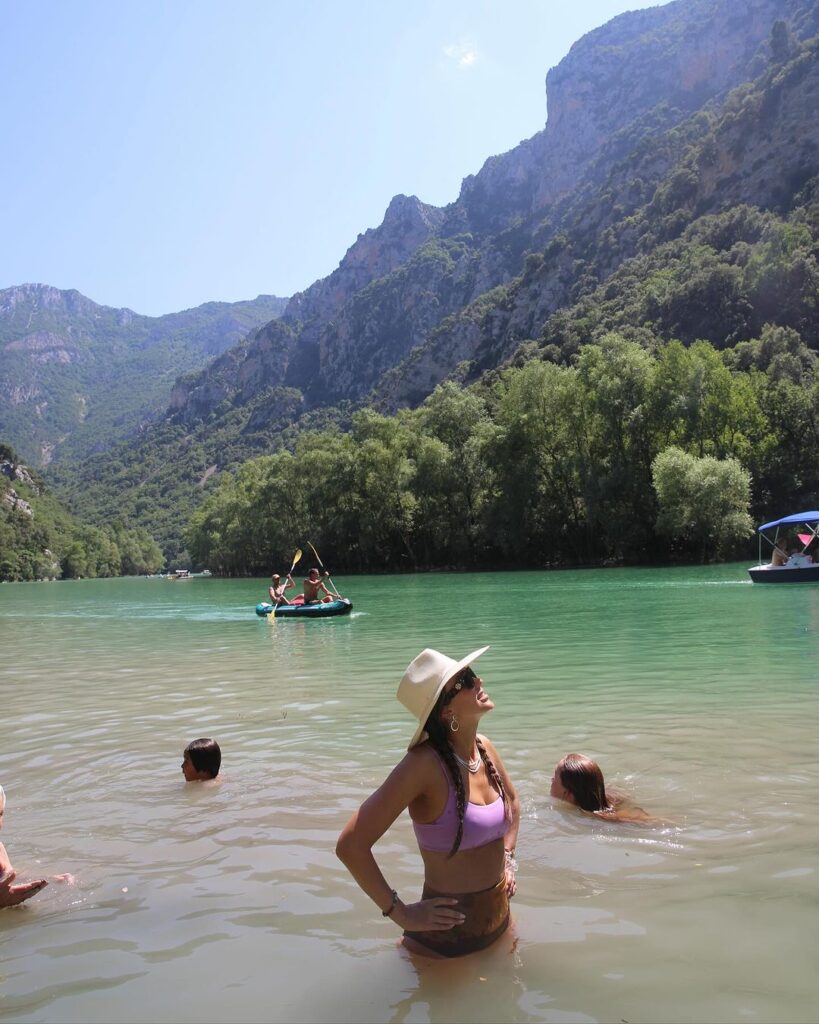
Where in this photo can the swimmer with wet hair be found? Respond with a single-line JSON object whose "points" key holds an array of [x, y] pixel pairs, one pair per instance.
{"points": [[201, 760], [11, 895], [579, 780]]}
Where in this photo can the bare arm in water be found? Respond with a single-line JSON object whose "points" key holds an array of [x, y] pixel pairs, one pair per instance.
{"points": [[11, 894]]}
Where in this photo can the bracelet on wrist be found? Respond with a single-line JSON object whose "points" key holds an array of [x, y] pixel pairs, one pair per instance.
{"points": [[393, 904]]}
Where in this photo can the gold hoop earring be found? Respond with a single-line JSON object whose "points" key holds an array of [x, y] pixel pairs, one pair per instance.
{"points": [[454, 724]]}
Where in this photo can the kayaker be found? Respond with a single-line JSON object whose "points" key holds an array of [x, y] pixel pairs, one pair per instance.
{"points": [[313, 584], [277, 589], [579, 780], [464, 811]]}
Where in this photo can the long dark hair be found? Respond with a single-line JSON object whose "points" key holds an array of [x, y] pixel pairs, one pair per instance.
{"points": [[583, 778], [438, 733]]}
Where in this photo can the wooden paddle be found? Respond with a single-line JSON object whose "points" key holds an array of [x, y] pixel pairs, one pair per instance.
{"points": [[318, 559]]}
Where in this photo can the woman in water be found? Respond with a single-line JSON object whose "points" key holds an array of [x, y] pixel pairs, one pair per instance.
{"points": [[10, 894], [464, 810], [578, 780]]}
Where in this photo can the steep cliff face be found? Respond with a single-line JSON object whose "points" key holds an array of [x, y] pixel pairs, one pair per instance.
{"points": [[636, 78], [407, 224], [759, 148], [240, 373], [681, 55], [75, 374]]}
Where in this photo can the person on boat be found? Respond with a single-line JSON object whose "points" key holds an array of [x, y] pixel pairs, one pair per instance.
{"points": [[578, 780], [10, 894], [780, 553], [201, 760], [798, 558], [277, 589], [464, 810], [313, 585]]}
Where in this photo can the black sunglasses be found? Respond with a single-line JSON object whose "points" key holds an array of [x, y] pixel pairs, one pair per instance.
{"points": [[465, 681]]}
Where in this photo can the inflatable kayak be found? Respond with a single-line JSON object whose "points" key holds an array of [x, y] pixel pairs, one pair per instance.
{"points": [[306, 611]]}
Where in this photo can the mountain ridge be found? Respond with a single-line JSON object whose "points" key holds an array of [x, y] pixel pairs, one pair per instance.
{"points": [[342, 340], [68, 360]]}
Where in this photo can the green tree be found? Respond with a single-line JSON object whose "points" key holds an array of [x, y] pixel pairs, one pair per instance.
{"points": [[74, 563], [702, 502], [616, 376], [539, 456], [454, 430]]}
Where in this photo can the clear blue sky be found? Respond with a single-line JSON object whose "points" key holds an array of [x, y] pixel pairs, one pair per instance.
{"points": [[160, 155]]}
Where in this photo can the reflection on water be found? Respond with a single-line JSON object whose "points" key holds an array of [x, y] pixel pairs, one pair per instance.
{"points": [[696, 691]]}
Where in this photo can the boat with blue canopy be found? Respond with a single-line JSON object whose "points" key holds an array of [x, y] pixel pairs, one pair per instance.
{"points": [[794, 543]]}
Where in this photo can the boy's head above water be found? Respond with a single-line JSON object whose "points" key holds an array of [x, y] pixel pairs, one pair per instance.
{"points": [[201, 760]]}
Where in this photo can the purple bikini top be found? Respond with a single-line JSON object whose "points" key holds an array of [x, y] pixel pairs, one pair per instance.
{"points": [[483, 823]]}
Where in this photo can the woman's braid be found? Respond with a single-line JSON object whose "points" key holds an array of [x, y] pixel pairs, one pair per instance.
{"points": [[437, 733], [494, 776]]}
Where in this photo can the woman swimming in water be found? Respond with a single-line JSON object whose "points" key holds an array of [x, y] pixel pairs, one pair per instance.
{"points": [[464, 810], [578, 780]]}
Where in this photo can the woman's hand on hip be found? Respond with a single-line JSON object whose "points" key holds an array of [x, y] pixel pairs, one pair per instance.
{"points": [[438, 914], [511, 883]]}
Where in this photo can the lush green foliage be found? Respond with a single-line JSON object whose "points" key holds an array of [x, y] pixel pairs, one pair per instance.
{"points": [[39, 539], [622, 455], [723, 280], [702, 501]]}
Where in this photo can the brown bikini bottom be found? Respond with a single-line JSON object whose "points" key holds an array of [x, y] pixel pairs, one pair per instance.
{"points": [[487, 918]]}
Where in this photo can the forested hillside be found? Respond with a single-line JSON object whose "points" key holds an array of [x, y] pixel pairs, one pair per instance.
{"points": [[624, 454], [691, 218], [40, 539], [75, 376]]}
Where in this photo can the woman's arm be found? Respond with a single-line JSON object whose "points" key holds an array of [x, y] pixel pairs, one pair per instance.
{"points": [[510, 840], [408, 781], [11, 895]]}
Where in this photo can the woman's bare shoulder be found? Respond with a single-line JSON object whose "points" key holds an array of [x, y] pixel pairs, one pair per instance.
{"points": [[420, 761], [422, 757], [414, 774]]}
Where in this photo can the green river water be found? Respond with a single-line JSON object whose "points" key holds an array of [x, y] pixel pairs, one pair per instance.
{"points": [[697, 692]]}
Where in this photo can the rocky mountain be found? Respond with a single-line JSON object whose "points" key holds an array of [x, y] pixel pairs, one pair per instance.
{"points": [[75, 375], [656, 121], [640, 77]]}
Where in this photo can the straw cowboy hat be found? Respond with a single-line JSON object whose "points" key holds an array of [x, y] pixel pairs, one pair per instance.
{"points": [[423, 681]]}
